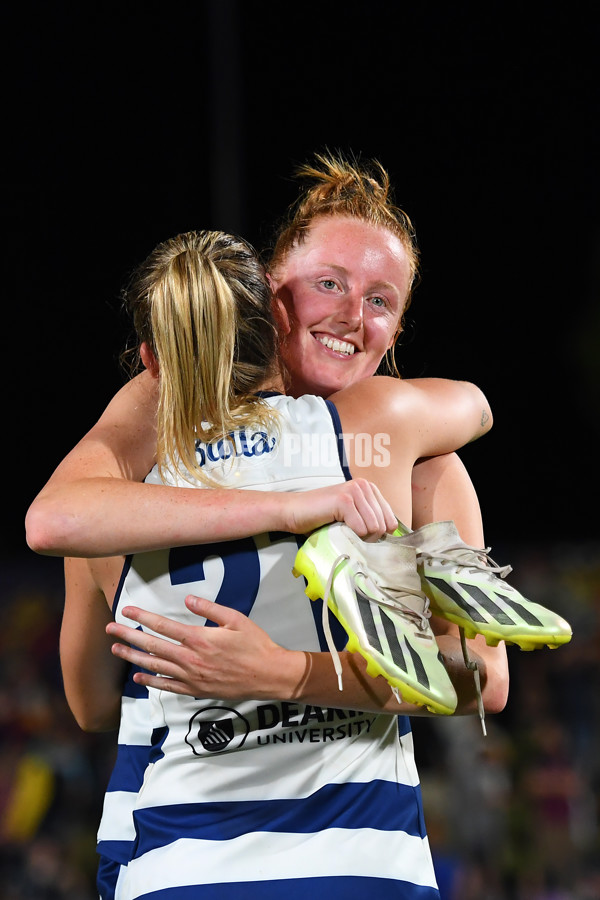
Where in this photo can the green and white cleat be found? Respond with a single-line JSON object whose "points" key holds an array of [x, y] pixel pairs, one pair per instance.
{"points": [[374, 591], [465, 586]]}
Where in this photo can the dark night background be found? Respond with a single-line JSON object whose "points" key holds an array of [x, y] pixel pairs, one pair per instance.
{"points": [[128, 123]]}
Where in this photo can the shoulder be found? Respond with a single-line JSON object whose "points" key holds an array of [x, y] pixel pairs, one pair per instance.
{"points": [[391, 403], [126, 430], [383, 391], [137, 397], [378, 386], [374, 396]]}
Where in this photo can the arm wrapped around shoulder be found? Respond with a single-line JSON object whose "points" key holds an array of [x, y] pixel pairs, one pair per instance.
{"points": [[430, 416]]}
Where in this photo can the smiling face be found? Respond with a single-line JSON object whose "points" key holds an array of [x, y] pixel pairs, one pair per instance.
{"points": [[344, 290]]}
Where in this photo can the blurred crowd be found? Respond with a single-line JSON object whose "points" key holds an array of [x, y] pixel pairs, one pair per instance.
{"points": [[515, 815], [512, 816]]}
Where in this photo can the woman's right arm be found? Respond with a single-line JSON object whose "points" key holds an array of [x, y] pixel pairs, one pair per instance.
{"points": [[95, 504], [238, 660], [92, 676]]}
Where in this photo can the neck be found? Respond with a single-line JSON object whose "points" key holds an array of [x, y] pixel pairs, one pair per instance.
{"points": [[273, 384], [273, 381]]}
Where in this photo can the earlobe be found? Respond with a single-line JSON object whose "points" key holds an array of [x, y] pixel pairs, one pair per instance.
{"points": [[149, 359]]}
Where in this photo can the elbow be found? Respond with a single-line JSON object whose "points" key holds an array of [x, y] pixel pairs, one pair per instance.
{"points": [[495, 700], [37, 533], [485, 412], [478, 410], [46, 531], [487, 417], [96, 726], [495, 693], [494, 674], [95, 721]]}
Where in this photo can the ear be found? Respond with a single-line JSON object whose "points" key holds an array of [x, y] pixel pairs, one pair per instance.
{"points": [[281, 315], [149, 359]]}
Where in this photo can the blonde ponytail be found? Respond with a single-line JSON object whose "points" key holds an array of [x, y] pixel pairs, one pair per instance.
{"points": [[202, 303]]}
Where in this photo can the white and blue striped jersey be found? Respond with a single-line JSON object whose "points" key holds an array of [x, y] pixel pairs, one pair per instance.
{"points": [[255, 798], [116, 833]]}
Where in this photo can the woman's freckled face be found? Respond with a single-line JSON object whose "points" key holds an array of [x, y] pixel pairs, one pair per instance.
{"points": [[344, 291]]}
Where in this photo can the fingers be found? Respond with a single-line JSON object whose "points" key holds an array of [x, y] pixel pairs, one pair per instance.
{"points": [[389, 516], [168, 628], [140, 640], [220, 615], [172, 641], [147, 650], [386, 520], [238, 659], [146, 661], [150, 653], [371, 516]]}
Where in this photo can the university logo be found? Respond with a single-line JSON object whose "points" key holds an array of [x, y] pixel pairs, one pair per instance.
{"points": [[215, 729]]}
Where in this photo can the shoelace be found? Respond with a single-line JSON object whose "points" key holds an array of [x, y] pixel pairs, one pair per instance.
{"points": [[474, 668], [389, 601], [469, 557], [393, 600], [326, 626], [473, 559]]}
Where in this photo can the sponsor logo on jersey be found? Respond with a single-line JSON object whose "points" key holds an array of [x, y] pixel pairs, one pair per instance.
{"points": [[216, 729], [249, 444]]}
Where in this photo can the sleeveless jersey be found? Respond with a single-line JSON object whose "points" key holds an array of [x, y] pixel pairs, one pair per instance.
{"points": [[252, 798]]}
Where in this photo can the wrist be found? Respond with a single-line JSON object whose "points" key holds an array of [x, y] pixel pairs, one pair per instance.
{"points": [[285, 510], [291, 668]]}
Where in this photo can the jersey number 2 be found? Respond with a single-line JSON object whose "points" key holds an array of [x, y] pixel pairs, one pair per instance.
{"points": [[241, 570]]}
